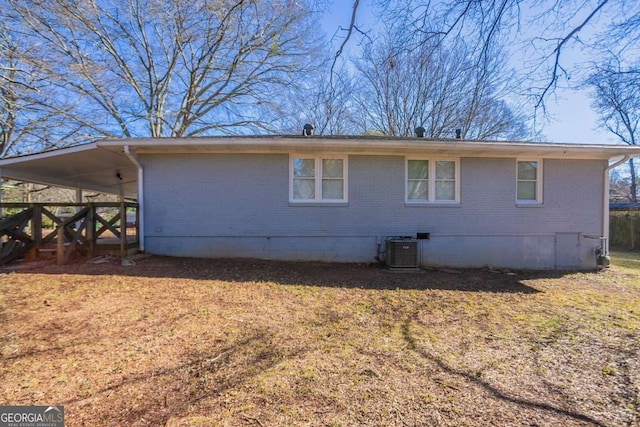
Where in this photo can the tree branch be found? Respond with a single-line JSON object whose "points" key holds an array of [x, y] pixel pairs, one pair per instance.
{"points": [[558, 51]]}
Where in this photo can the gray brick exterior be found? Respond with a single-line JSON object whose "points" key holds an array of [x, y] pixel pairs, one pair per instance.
{"points": [[237, 205]]}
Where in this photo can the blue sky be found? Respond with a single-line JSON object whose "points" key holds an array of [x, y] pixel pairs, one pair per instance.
{"points": [[571, 118]]}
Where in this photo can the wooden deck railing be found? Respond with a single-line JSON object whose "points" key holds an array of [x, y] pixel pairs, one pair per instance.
{"points": [[28, 228]]}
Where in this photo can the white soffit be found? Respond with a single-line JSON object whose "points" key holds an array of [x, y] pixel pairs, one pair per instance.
{"points": [[88, 166]]}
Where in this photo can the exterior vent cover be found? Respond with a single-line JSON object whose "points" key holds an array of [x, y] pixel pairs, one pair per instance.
{"points": [[402, 253]]}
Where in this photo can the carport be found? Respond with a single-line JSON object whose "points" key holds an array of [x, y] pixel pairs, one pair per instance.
{"points": [[27, 229]]}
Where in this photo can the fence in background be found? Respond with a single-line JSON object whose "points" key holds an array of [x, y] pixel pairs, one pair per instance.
{"points": [[624, 229]]}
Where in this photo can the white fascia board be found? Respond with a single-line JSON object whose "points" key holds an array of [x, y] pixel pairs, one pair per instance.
{"points": [[48, 154], [360, 145]]}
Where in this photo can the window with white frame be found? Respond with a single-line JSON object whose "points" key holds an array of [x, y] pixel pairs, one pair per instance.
{"points": [[318, 178], [432, 181], [529, 181]]}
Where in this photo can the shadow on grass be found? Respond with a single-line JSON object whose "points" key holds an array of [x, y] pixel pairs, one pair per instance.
{"points": [[174, 391], [495, 392], [70, 339], [317, 274]]}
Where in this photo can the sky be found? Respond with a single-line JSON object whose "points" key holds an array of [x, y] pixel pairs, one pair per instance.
{"points": [[571, 119]]}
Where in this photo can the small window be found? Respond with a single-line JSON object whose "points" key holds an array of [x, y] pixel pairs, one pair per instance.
{"points": [[318, 179], [529, 181], [432, 181]]}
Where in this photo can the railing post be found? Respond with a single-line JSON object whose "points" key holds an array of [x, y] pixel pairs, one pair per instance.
{"points": [[123, 229], [91, 229], [137, 206], [60, 246], [36, 229]]}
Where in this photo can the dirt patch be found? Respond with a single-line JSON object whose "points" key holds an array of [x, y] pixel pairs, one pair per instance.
{"points": [[245, 342]]}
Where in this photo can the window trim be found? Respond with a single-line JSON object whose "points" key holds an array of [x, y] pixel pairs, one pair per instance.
{"points": [[431, 189], [318, 158], [539, 184]]}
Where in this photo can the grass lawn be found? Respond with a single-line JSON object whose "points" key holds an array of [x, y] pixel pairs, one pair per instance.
{"points": [[244, 342]]}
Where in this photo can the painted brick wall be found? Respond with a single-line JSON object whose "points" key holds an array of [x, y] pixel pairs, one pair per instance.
{"points": [[216, 198]]}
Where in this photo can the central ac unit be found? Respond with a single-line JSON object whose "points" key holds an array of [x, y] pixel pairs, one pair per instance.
{"points": [[402, 253]]}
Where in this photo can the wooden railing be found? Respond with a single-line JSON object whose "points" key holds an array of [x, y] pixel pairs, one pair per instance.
{"points": [[28, 228]]}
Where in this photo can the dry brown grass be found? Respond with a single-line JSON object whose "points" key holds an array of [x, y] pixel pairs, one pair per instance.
{"points": [[236, 342]]}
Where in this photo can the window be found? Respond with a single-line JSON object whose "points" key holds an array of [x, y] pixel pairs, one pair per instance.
{"points": [[418, 180], [529, 181], [432, 181], [318, 179]]}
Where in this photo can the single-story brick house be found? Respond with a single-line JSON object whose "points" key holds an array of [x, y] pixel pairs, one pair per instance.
{"points": [[339, 199]]}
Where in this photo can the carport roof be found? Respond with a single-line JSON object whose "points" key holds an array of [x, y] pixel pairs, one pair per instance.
{"points": [[88, 166], [103, 165]]}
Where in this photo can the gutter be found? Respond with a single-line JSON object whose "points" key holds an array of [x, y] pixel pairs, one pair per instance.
{"points": [[140, 195], [605, 203]]}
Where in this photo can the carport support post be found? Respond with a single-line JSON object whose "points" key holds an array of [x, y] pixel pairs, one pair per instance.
{"points": [[78, 201]]}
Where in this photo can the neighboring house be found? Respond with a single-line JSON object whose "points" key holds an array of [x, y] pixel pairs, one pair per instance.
{"points": [[338, 199]]}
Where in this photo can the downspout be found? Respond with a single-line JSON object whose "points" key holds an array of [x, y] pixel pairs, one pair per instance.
{"points": [[605, 203], [140, 196]]}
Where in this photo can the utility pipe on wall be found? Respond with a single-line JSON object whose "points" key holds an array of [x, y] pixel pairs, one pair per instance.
{"points": [[140, 196]]}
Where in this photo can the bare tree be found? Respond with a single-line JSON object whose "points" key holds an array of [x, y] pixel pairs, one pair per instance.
{"points": [[616, 99], [125, 68], [24, 125], [619, 185], [590, 25], [440, 87], [327, 104], [8, 95]]}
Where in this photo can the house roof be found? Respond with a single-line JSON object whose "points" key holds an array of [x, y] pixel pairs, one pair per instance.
{"points": [[373, 145], [103, 166]]}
